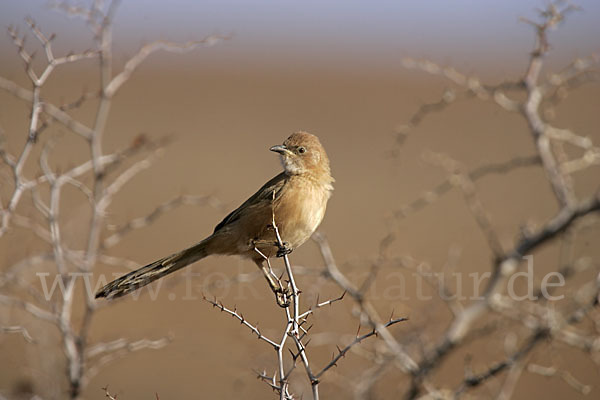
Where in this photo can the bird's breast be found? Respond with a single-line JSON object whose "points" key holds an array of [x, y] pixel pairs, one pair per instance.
{"points": [[300, 210]]}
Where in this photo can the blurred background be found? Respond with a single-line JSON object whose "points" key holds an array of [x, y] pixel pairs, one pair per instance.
{"points": [[333, 69]]}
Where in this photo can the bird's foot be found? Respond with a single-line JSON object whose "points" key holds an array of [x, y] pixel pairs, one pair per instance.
{"points": [[283, 297], [283, 249]]}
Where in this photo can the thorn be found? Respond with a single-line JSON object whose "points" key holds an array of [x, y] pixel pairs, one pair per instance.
{"points": [[392, 314], [342, 353], [358, 330], [333, 358], [293, 356], [302, 336]]}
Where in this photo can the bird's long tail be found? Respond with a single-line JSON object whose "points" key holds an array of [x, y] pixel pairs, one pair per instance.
{"points": [[151, 272]]}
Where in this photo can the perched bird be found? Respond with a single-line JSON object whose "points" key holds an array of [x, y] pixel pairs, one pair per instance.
{"points": [[295, 199]]}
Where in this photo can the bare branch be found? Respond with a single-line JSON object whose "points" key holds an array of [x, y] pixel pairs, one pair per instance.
{"points": [[408, 364], [447, 98], [99, 349], [107, 393], [53, 61], [118, 349], [18, 329], [173, 47], [31, 308], [319, 305], [163, 208], [242, 320], [564, 375], [342, 352], [461, 180], [483, 171], [54, 112]]}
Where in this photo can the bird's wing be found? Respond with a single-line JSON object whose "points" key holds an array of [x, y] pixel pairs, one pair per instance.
{"points": [[266, 194]]}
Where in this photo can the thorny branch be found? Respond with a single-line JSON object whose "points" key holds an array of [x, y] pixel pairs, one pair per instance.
{"points": [[294, 329], [243, 321], [342, 351]]}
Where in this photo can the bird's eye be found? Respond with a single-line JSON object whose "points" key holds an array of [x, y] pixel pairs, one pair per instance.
{"points": [[301, 150]]}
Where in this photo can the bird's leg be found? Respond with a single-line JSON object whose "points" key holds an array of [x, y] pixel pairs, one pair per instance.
{"points": [[281, 294], [269, 270]]}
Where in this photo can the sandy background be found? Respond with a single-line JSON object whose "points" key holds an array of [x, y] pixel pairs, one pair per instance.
{"points": [[223, 114]]}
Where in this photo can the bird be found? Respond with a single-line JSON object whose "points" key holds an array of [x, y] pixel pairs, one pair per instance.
{"points": [[294, 201]]}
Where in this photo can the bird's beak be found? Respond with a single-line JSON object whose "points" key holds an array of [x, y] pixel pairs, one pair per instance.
{"points": [[281, 149]]}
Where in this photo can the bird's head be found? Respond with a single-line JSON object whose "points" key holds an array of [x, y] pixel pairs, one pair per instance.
{"points": [[303, 154]]}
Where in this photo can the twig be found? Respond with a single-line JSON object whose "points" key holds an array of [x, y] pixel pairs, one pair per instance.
{"points": [[31, 308], [462, 180], [242, 320], [18, 329], [476, 174], [173, 47], [319, 305], [163, 208], [342, 351], [407, 363], [107, 393], [564, 375]]}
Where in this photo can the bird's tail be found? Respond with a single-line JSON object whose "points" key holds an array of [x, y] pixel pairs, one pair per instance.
{"points": [[151, 272]]}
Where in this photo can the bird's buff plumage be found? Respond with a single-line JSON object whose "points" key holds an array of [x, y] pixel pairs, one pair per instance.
{"points": [[296, 198]]}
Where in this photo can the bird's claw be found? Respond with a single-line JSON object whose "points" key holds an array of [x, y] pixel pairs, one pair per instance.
{"points": [[282, 295], [283, 249]]}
